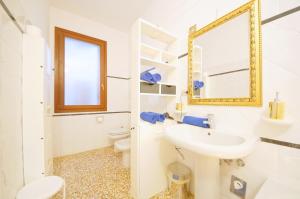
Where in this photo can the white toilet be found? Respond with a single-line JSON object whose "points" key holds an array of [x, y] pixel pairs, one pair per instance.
{"points": [[121, 142], [43, 188]]}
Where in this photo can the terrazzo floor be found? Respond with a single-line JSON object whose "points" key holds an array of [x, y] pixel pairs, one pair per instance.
{"points": [[98, 174]]}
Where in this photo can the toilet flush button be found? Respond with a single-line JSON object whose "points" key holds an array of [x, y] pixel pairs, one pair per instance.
{"points": [[100, 119], [238, 185]]}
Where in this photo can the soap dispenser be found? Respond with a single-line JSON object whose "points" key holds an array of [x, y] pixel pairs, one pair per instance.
{"points": [[276, 108]]}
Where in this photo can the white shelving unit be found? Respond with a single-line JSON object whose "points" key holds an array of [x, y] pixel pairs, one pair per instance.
{"points": [[198, 71], [152, 46], [37, 72], [159, 64]]}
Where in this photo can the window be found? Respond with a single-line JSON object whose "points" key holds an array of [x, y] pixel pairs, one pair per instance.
{"points": [[80, 72]]}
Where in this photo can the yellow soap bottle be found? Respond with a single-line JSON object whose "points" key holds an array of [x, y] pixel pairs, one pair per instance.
{"points": [[180, 106], [276, 108]]}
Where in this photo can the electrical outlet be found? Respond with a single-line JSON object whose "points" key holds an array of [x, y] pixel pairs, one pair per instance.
{"points": [[238, 187]]}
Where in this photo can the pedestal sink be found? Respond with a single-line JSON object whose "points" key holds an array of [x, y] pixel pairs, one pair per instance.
{"points": [[209, 146]]}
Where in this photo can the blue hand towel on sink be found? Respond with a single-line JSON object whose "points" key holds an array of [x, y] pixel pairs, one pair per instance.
{"points": [[151, 78], [196, 121], [152, 117]]}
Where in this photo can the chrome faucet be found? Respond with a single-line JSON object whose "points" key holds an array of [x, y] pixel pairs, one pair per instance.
{"points": [[211, 121]]}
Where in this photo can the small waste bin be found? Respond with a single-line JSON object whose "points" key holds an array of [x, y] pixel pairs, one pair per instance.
{"points": [[179, 177]]}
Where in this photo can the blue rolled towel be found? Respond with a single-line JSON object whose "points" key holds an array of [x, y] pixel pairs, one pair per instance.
{"points": [[148, 77], [196, 121], [156, 77], [198, 84], [152, 117]]}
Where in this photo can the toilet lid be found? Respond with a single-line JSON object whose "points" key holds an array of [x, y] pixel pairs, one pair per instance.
{"points": [[279, 188], [43, 188]]}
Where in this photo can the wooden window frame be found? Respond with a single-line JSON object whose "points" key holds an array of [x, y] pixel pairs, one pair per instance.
{"points": [[59, 105]]}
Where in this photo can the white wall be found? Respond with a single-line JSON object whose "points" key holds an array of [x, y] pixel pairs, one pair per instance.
{"points": [[11, 164], [35, 12], [77, 133], [280, 73]]}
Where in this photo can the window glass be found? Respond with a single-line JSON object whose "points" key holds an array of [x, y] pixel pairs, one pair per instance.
{"points": [[81, 73]]}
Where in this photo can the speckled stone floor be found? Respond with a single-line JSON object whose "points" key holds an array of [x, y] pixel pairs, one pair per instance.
{"points": [[98, 174]]}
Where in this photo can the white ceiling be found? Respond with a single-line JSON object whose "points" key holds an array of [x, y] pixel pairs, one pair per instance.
{"points": [[119, 14]]}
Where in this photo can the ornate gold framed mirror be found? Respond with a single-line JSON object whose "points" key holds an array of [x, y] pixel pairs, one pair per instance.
{"points": [[224, 59]]}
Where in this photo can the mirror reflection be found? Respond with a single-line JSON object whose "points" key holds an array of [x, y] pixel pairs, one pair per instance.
{"points": [[221, 60]]}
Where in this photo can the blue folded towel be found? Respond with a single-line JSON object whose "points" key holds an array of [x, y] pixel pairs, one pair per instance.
{"points": [[148, 77], [152, 117], [198, 84], [196, 121]]}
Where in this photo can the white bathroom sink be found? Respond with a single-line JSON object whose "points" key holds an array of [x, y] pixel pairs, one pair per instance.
{"points": [[205, 142]]}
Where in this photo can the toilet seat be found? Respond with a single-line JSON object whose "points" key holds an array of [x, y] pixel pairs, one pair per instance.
{"points": [[43, 188], [123, 145]]}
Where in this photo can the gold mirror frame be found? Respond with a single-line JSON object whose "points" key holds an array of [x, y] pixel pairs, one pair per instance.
{"points": [[255, 98]]}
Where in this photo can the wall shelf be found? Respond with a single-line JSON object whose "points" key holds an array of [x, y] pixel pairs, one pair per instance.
{"points": [[168, 57], [161, 83], [157, 33], [154, 53], [151, 62], [283, 122], [157, 95], [149, 51]]}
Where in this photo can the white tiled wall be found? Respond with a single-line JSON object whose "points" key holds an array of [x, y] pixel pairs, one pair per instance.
{"points": [[11, 164]]}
